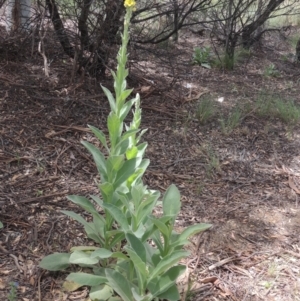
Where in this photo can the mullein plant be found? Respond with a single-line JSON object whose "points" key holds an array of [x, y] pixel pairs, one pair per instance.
{"points": [[135, 255]]}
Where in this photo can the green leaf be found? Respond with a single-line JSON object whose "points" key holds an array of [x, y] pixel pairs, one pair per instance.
{"points": [[98, 158], [161, 226], [88, 227], [157, 239], [137, 246], [83, 248], [124, 266], [99, 271], [70, 286], [82, 202], [1, 225], [120, 284], [191, 230], [165, 219], [114, 163], [138, 297], [116, 239], [150, 252], [107, 190], [115, 298], [144, 165], [131, 153], [176, 243], [93, 232], [55, 262], [205, 65], [110, 98], [125, 109], [150, 229], [86, 279], [138, 263], [141, 168], [156, 258], [101, 292], [80, 257], [140, 135], [119, 255], [138, 192], [167, 262], [171, 201], [97, 199], [142, 148], [112, 233], [125, 201], [146, 207], [125, 172], [101, 253], [77, 217], [161, 284], [140, 230], [99, 223], [125, 94], [118, 215], [114, 127], [171, 294], [113, 73], [129, 133], [134, 178], [99, 134], [121, 147]]}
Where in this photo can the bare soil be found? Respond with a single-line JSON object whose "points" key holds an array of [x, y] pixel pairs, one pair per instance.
{"points": [[246, 182]]}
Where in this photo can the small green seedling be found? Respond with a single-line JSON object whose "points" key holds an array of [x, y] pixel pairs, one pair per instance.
{"points": [[202, 57], [12, 295]]}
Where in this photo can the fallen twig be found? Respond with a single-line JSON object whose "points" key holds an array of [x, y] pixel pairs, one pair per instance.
{"points": [[43, 197], [219, 264]]}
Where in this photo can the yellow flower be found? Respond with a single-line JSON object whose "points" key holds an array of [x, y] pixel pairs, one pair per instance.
{"points": [[129, 4]]}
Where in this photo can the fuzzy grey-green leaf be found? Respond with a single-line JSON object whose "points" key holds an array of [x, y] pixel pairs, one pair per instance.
{"points": [[167, 262], [120, 284], [98, 157], [80, 257], [171, 201], [82, 202], [118, 215], [111, 99], [99, 134], [101, 292], [55, 262], [86, 279]]}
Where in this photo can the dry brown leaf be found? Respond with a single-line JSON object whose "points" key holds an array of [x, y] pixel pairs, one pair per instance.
{"points": [[209, 279], [196, 97], [145, 89], [70, 286], [293, 185], [225, 291], [32, 280], [2, 285], [15, 177], [50, 134]]}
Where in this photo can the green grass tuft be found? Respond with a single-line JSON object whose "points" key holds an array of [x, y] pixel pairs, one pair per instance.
{"points": [[232, 121], [205, 110]]}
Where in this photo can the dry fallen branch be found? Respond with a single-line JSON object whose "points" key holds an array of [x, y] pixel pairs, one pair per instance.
{"points": [[37, 199], [219, 264]]}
